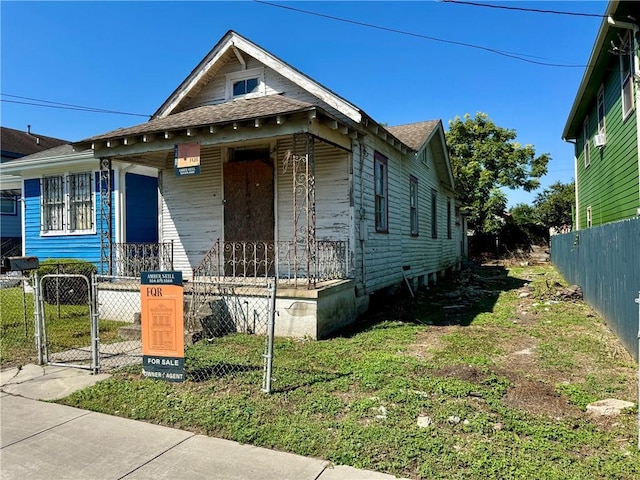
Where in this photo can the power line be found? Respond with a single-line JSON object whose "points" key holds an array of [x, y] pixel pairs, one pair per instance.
{"points": [[65, 106], [524, 9], [516, 56]]}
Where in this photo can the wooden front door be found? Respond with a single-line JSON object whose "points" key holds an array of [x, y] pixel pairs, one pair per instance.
{"points": [[248, 213]]}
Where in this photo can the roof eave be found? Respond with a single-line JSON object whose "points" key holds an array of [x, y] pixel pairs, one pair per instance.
{"points": [[570, 128]]}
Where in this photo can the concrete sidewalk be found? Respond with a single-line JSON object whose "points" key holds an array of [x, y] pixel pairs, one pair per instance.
{"points": [[40, 440]]}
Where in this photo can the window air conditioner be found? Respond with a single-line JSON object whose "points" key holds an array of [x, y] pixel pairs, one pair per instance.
{"points": [[600, 140]]}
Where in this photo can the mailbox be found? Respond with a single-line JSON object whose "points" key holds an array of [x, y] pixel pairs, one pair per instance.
{"points": [[20, 264]]}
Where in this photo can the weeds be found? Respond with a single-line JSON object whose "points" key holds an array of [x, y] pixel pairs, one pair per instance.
{"points": [[355, 399]]}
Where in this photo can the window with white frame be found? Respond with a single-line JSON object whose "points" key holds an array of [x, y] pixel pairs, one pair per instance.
{"points": [[380, 174], [589, 217], [245, 84], [67, 203], [626, 75], [586, 147], [601, 112], [413, 204]]}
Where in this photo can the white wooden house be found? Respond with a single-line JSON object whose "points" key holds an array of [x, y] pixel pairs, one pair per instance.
{"points": [[279, 176]]}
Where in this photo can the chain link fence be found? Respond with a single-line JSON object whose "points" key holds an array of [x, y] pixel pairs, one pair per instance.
{"points": [[118, 318], [17, 320], [94, 322], [232, 325]]}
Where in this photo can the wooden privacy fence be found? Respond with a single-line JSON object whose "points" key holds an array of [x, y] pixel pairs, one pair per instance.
{"points": [[605, 262]]}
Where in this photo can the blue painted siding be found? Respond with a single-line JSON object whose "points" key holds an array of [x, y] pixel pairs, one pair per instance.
{"points": [[83, 247], [10, 225], [141, 208]]}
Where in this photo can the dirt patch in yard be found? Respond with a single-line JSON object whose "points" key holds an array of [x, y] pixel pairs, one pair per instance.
{"points": [[527, 359]]}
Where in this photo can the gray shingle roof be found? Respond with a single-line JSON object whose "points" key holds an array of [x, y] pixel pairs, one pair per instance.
{"points": [[235, 111], [414, 134], [59, 151], [23, 143]]}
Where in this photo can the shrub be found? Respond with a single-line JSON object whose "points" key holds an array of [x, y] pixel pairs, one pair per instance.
{"points": [[65, 290]]}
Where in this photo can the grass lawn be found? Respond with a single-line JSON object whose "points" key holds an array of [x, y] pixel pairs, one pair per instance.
{"points": [[495, 369], [68, 327]]}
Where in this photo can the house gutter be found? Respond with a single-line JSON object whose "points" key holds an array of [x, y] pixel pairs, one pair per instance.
{"points": [[636, 84]]}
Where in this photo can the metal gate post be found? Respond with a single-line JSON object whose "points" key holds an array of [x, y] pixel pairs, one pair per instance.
{"points": [[95, 330], [268, 355], [38, 317]]}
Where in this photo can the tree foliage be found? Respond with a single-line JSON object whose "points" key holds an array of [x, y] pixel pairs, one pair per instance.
{"points": [[554, 206], [484, 158]]}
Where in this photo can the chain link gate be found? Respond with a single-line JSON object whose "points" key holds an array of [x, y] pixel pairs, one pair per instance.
{"points": [[17, 320], [66, 327], [95, 324]]}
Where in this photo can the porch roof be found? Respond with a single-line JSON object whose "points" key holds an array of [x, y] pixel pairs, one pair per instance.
{"points": [[236, 111]]}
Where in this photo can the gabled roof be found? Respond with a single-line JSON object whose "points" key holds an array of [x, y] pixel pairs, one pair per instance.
{"points": [[598, 61], [16, 143], [414, 135], [235, 111], [232, 41]]}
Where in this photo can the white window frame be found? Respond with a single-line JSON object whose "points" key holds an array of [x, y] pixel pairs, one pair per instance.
{"points": [[626, 76], [600, 111], [234, 77], [589, 217], [67, 201], [586, 148]]}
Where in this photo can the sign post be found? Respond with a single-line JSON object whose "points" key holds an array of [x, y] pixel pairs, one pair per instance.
{"points": [[162, 320]]}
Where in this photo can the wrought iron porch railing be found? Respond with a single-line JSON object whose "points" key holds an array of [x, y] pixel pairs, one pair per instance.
{"points": [[132, 258], [284, 260]]}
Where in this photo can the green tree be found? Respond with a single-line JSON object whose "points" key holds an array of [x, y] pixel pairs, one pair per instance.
{"points": [[554, 206], [484, 158]]}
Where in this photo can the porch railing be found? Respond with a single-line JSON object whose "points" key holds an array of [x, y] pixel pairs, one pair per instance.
{"points": [[282, 260], [132, 258]]}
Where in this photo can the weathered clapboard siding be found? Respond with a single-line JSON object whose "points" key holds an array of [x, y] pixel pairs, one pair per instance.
{"points": [[609, 185], [192, 210], [424, 254], [275, 83], [382, 251], [332, 193]]}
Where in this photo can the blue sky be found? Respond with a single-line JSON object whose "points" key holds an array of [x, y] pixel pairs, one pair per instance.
{"points": [[130, 56]]}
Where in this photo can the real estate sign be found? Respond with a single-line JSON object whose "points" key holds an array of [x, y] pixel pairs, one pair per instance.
{"points": [[187, 159], [162, 320]]}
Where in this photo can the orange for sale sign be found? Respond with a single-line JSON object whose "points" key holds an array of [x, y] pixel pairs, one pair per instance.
{"points": [[162, 320]]}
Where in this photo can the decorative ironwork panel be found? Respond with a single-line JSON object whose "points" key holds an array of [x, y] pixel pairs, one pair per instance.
{"points": [[106, 218]]}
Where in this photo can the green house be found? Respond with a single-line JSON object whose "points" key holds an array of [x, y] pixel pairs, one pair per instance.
{"points": [[603, 122]]}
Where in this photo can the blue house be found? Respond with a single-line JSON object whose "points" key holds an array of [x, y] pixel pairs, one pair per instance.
{"points": [[65, 213], [16, 144]]}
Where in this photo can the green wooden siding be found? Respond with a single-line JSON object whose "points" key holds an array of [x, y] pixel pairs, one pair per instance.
{"points": [[610, 184]]}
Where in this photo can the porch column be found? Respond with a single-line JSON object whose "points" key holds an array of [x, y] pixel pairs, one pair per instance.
{"points": [[105, 227], [304, 207]]}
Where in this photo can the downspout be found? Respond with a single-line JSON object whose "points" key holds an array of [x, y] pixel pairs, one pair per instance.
{"points": [[636, 84]]}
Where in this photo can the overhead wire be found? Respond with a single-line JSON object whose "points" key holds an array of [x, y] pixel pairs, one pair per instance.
{"points": [[525, 9], [64, 106], [514, 55]]}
